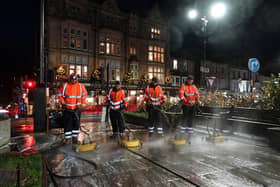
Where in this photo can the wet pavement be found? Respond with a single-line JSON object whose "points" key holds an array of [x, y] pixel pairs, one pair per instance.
{"points": [[235, 162]]}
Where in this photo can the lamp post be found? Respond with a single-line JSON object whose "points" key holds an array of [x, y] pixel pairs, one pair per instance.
{"points": [[217, 11]]}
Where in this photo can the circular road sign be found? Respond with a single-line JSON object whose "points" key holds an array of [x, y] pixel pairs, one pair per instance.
{"points": [[254, 64]]}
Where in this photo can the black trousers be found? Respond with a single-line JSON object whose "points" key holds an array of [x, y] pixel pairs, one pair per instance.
{"points": [[154, 119], [117, 121], [188, 114], [71, 123]]}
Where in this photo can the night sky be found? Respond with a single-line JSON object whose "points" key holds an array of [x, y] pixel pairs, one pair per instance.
{"points": [[250, 29]]}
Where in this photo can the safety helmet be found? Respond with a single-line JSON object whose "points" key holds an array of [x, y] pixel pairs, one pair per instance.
{"points": [[73, 77], [154, 79], [190, 77]]}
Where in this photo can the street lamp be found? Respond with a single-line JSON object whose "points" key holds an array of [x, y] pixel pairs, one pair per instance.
{"points": [[217, 11]]}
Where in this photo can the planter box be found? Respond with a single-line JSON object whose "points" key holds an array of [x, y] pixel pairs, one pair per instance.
{"points": [[249, 113], [5, 131], [135, 120]]}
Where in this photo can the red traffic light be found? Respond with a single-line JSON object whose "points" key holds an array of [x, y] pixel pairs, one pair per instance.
{"points": [[30, 84]]}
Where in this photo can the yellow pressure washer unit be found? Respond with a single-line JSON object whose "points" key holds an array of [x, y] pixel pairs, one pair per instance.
{"points": [[85, 145], [178, 141], [216, 136], [131, 141]]}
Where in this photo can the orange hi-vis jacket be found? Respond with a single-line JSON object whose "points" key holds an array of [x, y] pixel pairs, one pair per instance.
{"points": [[188, 94], [73, 95], [116, 99], [153, 96]]}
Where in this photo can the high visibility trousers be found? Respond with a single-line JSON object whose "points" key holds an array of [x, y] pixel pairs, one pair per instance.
{"points": [[71, 123], [188, 114], [154, 120], [117, 121]]}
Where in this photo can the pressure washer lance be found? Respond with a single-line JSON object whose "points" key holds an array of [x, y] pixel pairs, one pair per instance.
{"points": [[131, 141], [163, 115], [85, 145]]}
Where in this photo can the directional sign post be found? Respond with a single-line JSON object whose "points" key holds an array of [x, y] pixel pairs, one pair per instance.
{"points": [[254, 65]]}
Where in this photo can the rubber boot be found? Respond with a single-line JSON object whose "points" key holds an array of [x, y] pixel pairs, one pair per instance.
{"points": [[75, 143], [67, 141], [75, 140]]}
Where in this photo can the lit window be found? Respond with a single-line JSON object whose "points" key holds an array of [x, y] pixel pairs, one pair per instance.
{"points": [[112, 48], [132, 51], [155, 33], [78, 70], [85, 71], [155, 57], [78, 42], [71, 69], [102, 48], [134, 70], [72, 45], [65, 41], [175, 64], [72, 59], [64, 59], [107, 48], [162, 57], [185, 66], [118, 49], [115, 70], [150, 48]]}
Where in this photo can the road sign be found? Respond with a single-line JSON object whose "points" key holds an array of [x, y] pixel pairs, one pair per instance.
{"points": [[204, 69], [211, 81], [253, 64]]}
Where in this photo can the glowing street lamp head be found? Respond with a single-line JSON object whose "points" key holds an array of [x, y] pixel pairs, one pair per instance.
{"points": [[192, 14], [218, 10]]}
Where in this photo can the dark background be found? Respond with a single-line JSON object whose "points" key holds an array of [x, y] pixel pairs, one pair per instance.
{"points": [[249, 29]]}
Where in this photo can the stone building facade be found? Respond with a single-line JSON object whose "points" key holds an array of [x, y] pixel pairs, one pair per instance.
{"points": [[82, 35]]}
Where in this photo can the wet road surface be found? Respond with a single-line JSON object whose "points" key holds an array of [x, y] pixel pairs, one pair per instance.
{"points": [[203, 163]]}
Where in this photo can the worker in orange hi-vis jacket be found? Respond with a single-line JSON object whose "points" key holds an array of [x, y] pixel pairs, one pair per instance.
{"points": [[154, 99], [72, 96], [117, 102], [189, 98]]}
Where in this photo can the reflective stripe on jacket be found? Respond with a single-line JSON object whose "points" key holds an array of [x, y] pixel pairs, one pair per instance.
{"points": [[116, 99], [188, 95], [73, 95], [154, 96]]}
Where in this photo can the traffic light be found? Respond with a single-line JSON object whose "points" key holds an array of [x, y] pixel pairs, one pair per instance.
{"points": [[30, 84]]}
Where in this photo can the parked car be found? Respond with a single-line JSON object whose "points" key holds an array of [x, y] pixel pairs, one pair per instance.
{"points": [[13, 111]]}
